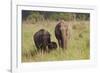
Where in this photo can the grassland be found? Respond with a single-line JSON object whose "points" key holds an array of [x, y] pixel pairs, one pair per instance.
{"points": [[78, 45]]}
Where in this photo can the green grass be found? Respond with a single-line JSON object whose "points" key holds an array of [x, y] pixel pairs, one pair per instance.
{"points": [[78, 45]]}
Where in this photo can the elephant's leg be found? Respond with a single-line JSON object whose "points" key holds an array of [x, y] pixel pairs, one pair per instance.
{"points": [[62, 43]]}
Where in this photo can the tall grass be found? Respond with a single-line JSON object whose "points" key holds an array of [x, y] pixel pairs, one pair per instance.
{"points": [[78, 45]]}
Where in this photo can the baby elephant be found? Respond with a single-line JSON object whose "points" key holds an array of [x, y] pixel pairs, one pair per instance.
{"points": [[52, 45]]}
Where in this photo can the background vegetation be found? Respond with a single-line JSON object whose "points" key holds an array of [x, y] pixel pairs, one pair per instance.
{"points": [[35, 16], [78, 45]]}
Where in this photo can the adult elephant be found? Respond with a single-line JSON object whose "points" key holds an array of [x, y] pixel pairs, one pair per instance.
{"points": [[42, 39], [61, 33]]}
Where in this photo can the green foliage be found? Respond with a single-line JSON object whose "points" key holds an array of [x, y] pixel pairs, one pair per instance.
{"points": [[64, 16], [83, 16], [35, 16]]}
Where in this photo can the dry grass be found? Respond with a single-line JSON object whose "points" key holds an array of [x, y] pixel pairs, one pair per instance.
{"points": [[78, 46]]}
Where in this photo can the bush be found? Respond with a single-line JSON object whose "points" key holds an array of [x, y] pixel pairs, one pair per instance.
{"points": [[35, 17]]}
